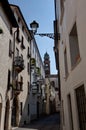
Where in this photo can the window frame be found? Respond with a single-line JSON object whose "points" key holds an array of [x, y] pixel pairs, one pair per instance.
{"points": [[73, 36]]}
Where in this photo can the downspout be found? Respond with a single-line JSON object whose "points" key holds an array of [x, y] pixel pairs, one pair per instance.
{"points": [[13, 72], [57, 49]]}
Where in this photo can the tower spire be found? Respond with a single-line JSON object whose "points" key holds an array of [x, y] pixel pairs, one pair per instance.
{"points": [[47, 64]]}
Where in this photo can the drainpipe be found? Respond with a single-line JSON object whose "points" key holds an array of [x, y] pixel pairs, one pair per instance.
{"points": [[57, 36], [59, 83], [57, 58], [30, 65], [55, 9], [13, 52]]}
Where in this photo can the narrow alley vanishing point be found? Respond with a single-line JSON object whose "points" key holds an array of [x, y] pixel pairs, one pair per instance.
{"points": [[51, 122]]}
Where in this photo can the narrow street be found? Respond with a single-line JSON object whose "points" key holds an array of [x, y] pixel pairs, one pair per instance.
{"points": [[51, 122]]}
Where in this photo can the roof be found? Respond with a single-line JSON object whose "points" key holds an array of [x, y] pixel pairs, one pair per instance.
{"points": [[8, 12], [46, 56], [17, 7]]}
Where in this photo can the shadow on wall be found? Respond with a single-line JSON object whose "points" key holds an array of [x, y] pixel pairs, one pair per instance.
{"points": [[0, 109], [20, 114], [24, 112]]}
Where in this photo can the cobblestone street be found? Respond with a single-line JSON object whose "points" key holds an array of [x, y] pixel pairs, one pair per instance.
{"points": [[51, 122]]}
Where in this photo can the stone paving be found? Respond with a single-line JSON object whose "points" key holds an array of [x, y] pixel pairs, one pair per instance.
{"points": [[51, 122]]}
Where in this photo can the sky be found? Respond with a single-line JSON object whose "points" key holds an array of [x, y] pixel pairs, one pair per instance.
{"points": [[42, 11]]}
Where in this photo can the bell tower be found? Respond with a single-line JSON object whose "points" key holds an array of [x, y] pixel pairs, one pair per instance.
{"points": [[47, 64]]}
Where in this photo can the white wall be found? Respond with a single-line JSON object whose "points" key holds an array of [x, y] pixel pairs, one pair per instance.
{"points": [[74, 12]]}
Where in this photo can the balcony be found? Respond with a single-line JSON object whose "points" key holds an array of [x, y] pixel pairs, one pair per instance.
{"points": [[17, 87], [18, 63], [33, 63], [38, 71], [34, 88], [41, 80]]}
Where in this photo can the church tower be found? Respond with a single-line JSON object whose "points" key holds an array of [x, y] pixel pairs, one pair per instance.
{"points": [[47, 64]]}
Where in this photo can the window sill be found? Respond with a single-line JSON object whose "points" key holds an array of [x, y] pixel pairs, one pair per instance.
{"points": [[77, 62]]}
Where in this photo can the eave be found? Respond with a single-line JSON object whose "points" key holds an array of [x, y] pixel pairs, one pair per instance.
{"points": [[8, 12]]}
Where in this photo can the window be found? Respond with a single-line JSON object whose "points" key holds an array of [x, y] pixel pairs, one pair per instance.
{"points": [[33, 50], [65, 63], [8, 84], [37, 87], [28, 52], [28, 68], [28, 39], [18, 20], [18, 35], [21, 82], [23, 28], [17, 52], [21, 107], [11, 31], [28, 87], [28, 109], [34, 77], [74, 46], [22, 43], [53, 84], [10, 48], [21, 79]]}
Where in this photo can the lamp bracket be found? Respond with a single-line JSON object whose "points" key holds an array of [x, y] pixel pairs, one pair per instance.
{"points": [[50, 35]]}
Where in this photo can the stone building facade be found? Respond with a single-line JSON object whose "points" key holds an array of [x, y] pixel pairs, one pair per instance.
{"points": [[51, 87], [70, 50], [16, 70], [20, 111], [6, 61], [15, 41], [37, 93]]}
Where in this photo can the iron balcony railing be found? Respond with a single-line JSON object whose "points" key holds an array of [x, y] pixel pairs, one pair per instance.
{"points": [[18, 63], [34, 88], [18, 86]]}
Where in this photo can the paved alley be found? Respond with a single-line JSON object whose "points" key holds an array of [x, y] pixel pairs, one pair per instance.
{"points": [[51, 122]]}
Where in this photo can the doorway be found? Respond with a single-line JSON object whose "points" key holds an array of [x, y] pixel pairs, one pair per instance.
{"points": [[6, 122], [15, 112], [81, 106], [0, 113]]}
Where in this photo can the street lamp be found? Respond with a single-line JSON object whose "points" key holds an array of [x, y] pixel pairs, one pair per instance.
{"points": [[34, 25]]}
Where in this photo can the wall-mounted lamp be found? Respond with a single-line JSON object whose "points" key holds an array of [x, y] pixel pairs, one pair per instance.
{"points": [[34, 25]]}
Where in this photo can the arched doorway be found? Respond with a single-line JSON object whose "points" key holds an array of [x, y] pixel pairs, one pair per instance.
{"points": [[0, 109], [15, 112], [7, 110]]}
